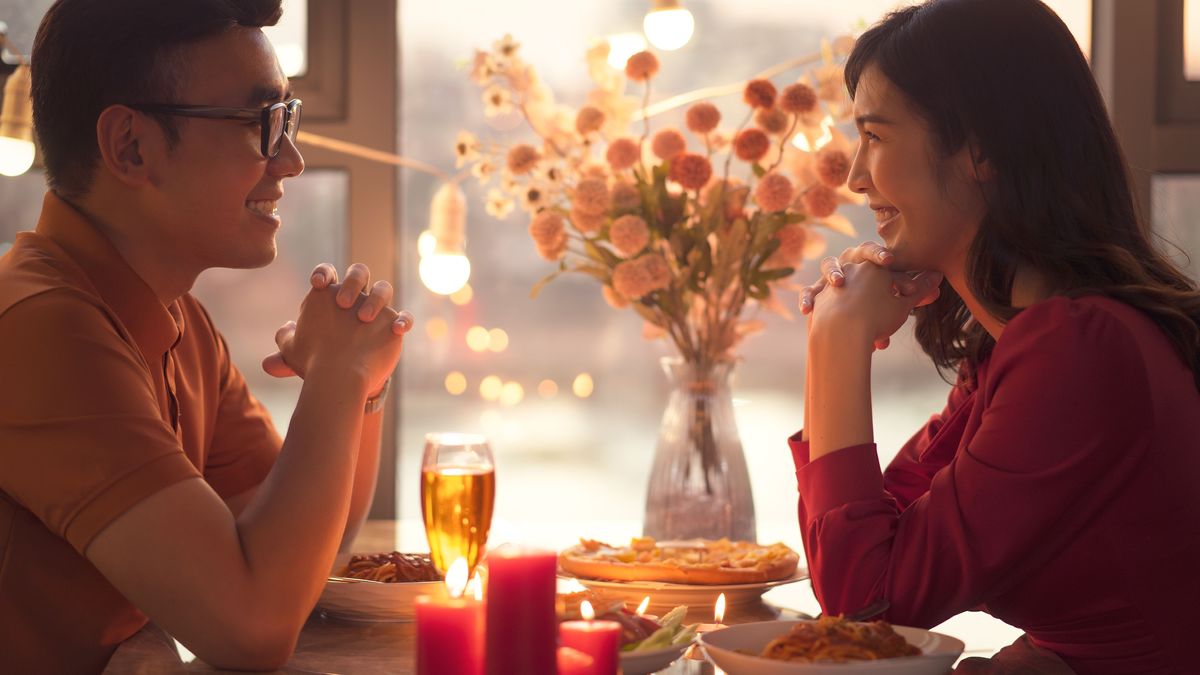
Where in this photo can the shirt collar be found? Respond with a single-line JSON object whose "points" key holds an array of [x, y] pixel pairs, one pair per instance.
{"points": [[155, 327]]}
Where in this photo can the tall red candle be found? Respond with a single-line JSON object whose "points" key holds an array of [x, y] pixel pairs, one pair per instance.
{"points": [[522, 628], [450, 636]]}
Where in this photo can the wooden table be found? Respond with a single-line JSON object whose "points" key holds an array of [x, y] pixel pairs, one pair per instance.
{"points": [[333, 646]]}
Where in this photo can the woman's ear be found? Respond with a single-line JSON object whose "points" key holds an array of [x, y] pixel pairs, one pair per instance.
{"points": [[120, 135], [981, 166]]}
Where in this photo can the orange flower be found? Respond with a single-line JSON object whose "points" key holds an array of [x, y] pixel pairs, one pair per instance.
{"points": [[702, 117], [773, 192], [691, 171], [833, 166], [591, 196], [589, 119], [613, 298], [667, 143], [771, 120], [588, 223], [522, 158], [791, 245], [798, 99], [819, 201], [641, 66], [751, 145], [622, 153], [549, 235], [636, 278], [759, 94], [625, 196], [629, 235]]}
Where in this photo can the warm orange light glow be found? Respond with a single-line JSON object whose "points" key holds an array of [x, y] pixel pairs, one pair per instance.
{"points": [[642, 607], [1191, 39], [719, 609], [456, 577], [475, 587], [497, 340], [547, 388], [436, 328], [477, 338], [490, 388], [463, 295], [512, 393], [586, 611], [583, 385], [456, 382]]}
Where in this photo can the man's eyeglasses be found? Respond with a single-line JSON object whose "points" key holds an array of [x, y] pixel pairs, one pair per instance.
{"points": [[275, 120]]}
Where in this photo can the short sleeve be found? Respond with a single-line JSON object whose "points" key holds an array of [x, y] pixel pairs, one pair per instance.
{"points": [[81, 437], [245, 443]]}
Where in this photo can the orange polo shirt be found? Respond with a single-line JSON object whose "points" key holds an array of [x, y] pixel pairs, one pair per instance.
{"points": [[106, 397]]}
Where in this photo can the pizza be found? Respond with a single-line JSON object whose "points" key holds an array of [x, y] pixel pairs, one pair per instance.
{"points": [[696, 561]]}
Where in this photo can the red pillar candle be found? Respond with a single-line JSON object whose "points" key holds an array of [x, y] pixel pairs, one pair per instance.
{"points": [[600, 640], [575, 662], [450, 636], [522, 628]]}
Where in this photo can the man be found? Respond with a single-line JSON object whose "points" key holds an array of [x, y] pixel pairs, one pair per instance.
{"points": [[138, 476]]}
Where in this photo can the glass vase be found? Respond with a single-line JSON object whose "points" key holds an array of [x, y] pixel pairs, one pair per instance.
{"points": [[699, 486]]}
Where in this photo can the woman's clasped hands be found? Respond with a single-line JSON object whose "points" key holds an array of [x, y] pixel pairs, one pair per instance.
{"points": [[859, 292]]}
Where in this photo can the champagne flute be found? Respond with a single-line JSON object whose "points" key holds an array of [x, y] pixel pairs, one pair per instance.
{"points": [[458, 491]]}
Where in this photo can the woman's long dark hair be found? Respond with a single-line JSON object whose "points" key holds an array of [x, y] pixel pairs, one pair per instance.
{"points": [[1007, 77]]}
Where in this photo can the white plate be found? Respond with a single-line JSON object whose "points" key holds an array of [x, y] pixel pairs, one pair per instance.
{"points": [[938, 653], [371, 600], [666, 595], [643, 663]]}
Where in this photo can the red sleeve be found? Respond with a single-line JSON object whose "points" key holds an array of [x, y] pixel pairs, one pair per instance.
{"points": [[1066, 404]]}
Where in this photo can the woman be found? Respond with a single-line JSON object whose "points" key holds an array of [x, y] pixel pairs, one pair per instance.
{"points": [[1057, 490]]}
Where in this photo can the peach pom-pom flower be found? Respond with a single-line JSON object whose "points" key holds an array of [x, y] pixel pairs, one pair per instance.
{"points": [[622, 153], [798, 99], [702, 117], [591, 196], [751, 145], [629, 235], [589, 119], [691, 171], [522, 158], [773, 192], [759, 94], [549, 235], [833, 167], [667, 143], [641, 66], [819, 201], [639, 277]]}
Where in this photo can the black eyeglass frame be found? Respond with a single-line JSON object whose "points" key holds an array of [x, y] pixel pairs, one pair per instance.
{"points": [[289, 125]]}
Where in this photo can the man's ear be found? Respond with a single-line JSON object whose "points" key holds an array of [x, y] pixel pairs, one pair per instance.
{"points": [[123, 137]]}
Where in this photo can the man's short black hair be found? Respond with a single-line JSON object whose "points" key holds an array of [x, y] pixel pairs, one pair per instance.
{"points": [[90, 54]]}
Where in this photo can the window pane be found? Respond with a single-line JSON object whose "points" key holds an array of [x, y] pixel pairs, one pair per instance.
{"points": [[249, 305], [290, 38], [1191, 39], [1176, 202]]}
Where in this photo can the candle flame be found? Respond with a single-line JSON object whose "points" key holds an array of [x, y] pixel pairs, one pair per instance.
{"points": [[456, 577], [719, 609], [475, 587], [586, 611], [642, 607]]}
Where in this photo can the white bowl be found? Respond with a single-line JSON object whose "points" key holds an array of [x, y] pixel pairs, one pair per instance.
{"points": [[373, 600], [643, 663], [938, 653]]}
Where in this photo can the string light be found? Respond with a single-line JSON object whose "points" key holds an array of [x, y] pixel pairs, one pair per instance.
{"points": [[668, 25]]}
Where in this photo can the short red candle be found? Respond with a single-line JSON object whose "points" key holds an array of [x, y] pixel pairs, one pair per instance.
{"points": [[522, 627], [575, 662], [600, 640], [450, 636]]}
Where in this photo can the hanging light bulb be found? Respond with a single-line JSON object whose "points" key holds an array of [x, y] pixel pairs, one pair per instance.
{"points": [[16, 124], [668, 25], [446, 269]]}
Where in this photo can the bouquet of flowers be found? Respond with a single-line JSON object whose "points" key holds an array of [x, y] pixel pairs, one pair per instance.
{"points": [[685, 234]]}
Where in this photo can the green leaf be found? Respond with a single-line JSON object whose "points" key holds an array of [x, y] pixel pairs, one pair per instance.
{"points": [[646, 313], [775, 274], [759, 171], [600, 254]]}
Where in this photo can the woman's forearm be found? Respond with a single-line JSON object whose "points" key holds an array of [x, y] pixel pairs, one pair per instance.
{"points": [[838, 397]]}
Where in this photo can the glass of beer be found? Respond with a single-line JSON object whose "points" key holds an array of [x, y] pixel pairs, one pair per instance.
{"points": [[458, 490]]}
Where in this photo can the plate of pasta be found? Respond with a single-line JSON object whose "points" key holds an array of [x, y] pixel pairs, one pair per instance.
{"points": [[829, 646], [378, 586]]}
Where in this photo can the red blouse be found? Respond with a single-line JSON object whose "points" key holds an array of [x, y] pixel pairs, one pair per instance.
{"points": [[1061, 495]]}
